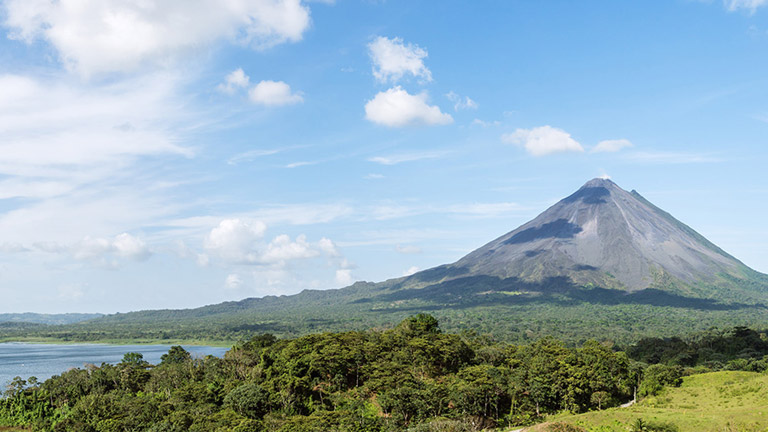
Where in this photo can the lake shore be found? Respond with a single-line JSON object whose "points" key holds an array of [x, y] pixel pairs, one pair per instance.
{"points": [[56, 341]]}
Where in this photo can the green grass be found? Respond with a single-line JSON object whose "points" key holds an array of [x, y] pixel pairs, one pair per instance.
{"points": [[717, 401]]}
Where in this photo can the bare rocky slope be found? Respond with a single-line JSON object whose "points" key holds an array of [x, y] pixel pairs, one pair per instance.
{"points": [[605, 236]]}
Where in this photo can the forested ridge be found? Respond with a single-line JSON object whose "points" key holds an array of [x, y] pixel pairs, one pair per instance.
{"points": [[412, 377]]}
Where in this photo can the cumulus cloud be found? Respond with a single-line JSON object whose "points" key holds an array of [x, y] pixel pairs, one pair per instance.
{"points": [[282, 249], [284, 262], [344, 277], [101, 36], [236, 240], [543, 140], [274, 93], [611, 146], [237, 79], [750, 5], [392, 59], [411, 270], [460, 103], [101, 250], [128, 246], [398, 108]]}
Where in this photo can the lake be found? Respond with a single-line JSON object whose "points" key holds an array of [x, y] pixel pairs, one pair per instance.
{"points": [[46, 360]]}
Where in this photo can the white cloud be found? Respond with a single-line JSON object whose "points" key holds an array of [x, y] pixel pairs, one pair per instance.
{"points": [[44, 124], [328, 247], [460, 103], [241, 242], [411, 270], [397, 108], [235, 240], [408, 249], [611, 146], [233, 282], [237, 79], [282, 249], [486, 124], [128, 246], [251, 155], [102, 36], [344, 277], [543, 140], [374, 176], [101, 250], [751, 5], [274, 93], [405, 157], [301, 164], [392, 59]]}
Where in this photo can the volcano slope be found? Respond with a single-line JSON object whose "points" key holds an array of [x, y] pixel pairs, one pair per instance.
{"points": [[602, 263]]}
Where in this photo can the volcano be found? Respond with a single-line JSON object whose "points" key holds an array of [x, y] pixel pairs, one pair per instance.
{"points": [[604, 236]]}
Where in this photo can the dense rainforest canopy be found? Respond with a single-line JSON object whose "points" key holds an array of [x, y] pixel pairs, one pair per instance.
{"points": [[412, 377]]}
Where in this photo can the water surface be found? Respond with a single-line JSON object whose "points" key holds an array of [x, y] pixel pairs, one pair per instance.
{"points": [[45, 360]]}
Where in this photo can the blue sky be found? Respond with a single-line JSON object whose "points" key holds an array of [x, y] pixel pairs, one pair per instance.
{"points": [[176, 153]]}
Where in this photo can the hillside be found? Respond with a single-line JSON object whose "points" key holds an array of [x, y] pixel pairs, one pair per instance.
{"points": [[602, 263], [717, 401]]}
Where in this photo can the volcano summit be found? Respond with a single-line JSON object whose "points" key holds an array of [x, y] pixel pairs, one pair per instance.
{"points": [[605, 236]]}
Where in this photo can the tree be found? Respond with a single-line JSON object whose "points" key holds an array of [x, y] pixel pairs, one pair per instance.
{"points": [[134, 359], [598, 398], [655, 377], [249, 400], [175, 355]]}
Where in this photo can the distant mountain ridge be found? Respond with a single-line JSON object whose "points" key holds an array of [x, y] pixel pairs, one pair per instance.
{"points": [[602, 262], [53, 319]]}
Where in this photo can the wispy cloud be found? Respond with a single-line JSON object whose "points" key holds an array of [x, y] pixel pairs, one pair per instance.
{"points": [[407, 157], [750, 5], [408, 249], [461, 103], [485, 124], [611, 146], [301, 164], [251, 155]]}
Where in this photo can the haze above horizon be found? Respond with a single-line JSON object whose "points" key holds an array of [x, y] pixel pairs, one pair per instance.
{"points": [[158, 155]]}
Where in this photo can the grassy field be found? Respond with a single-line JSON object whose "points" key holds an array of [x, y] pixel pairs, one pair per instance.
{"points": [[717, 401]]}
